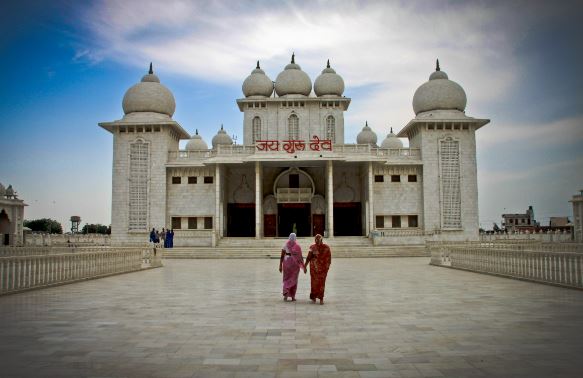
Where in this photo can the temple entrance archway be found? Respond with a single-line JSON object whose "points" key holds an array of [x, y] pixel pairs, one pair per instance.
{"points": [[241, 219], [347, 219], [294, 215]]}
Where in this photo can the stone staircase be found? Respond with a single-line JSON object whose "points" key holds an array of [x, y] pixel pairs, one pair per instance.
{"points": [[270, 248]]}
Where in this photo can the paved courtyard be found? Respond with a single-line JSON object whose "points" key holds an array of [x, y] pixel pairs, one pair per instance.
{"points": [[395, 317]]}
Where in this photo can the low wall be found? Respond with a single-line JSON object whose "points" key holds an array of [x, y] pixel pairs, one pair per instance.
{"points": [[551, 236], [64, 239], [45, 267], [552, 263]]}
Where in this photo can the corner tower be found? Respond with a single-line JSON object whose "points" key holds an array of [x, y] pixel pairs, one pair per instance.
{"points": [[141, 141], [446, 137]]}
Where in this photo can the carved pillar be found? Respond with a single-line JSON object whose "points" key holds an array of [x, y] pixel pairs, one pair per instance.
{"points": [[218, 224], [370, 220], [330, 198], [258, 200]]}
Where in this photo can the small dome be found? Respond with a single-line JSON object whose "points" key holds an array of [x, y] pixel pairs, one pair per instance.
{"points": [[439, 93], [221, 138], [149, 96], [391, 141], [9, 192], [196, 143], [257, 84], [329, 83], [293, 81], [366, 136]]}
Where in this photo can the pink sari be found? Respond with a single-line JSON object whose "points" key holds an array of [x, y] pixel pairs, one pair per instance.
{"points": [[291, 268]]}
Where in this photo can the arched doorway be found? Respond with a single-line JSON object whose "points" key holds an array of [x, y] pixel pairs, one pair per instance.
{"points": [[294, 190], [4, 227]]}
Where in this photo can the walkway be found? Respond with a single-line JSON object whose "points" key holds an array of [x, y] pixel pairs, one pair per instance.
{"points": [[395, 317]]}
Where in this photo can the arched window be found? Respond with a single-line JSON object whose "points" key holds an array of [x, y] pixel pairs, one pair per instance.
{"points": [[256, 129], [293, 127], [331, 128]]}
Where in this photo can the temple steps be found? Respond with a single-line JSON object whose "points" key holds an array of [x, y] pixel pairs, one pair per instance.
{"points": [[270, 249]]}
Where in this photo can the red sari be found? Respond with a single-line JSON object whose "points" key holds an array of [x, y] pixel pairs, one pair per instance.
{"points": [[320, 258]]}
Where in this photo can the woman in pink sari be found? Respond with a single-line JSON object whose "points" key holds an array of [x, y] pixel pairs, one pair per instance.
{"points": [[289, 264]]}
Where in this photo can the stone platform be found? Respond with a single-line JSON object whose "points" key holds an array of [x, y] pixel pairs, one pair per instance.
{"points": [[397, 317]]}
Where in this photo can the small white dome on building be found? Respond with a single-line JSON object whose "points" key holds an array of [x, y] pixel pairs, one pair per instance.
{"points": [[293, 81], [439, 93], [329, 83], [257, 84], [221, 138], [366, 136], [196, 143], [391, 141], [149, 96]]}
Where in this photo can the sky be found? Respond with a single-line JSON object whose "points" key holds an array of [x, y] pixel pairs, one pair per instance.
{"points": [[67, 64]]}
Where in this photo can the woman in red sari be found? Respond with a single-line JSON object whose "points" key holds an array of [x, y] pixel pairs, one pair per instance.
{"points": [[289, 264], [319, 258]]}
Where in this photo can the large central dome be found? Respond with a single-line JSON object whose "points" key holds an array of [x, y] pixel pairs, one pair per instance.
{"points": [[149, 96], [293, 81]]}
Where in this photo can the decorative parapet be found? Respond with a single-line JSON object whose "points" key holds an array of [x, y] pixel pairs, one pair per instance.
{"points": [[338, 151], [31, 268], [552, 263]]}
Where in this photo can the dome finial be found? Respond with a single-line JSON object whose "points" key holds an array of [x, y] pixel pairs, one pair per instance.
{"points": [[221, 126], [328, 64], [151, 71], [196, 131], [437, 65], [258, 65], [293, 58], [391, 130], [365, 123]]}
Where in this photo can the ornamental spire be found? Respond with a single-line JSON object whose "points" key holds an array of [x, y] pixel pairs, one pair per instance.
{"points": [[293, 58], [437, 65], [391, 130], [328, 64], [258, 65], [151, 71], [196, 131], [365, 123]]}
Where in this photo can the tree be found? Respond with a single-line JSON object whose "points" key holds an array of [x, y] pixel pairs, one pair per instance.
{"points": [[44, 225], [96, 229]]}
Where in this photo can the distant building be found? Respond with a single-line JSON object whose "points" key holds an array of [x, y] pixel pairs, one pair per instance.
{"points": [[577, 202], [294, 170], [11, 216], [520, 222], [556, 222]]}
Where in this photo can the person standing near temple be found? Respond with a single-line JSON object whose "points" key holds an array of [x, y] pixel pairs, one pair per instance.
{"points": [[290, 262], [170, 237], [319, 258], [163, 237]]}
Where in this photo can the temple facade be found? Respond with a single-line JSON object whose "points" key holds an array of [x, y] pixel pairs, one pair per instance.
{"points": [[294, 170]]}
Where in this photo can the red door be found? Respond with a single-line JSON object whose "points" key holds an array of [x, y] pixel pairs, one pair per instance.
{"points": [[269, 224], [317, 224]]}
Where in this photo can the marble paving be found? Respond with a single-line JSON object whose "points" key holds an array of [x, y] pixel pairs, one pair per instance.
{"points": [[394, 317]]}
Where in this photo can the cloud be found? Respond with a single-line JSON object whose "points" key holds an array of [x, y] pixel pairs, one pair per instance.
{"points": [[560, 132]]}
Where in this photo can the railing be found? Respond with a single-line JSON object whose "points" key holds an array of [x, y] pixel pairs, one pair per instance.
{"points": [[242, 150], [25, 272], [294, 195], [530, 262]]}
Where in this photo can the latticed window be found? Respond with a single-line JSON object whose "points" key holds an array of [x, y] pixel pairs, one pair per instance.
{"points": [[449, 167], [138, 185], [331, 128], [293, 126], [256, 129]]}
